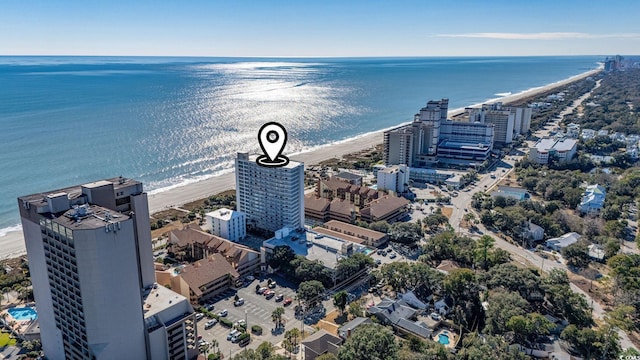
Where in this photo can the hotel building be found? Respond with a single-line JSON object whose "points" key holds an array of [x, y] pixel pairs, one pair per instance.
{"points": [[271, 197], [91, 264], [431, 138], [508, 121]]}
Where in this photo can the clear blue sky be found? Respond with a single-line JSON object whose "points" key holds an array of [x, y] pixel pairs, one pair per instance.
{"points": [[319, 28]]}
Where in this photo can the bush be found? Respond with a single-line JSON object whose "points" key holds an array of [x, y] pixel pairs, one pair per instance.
{"points": [[216, 356], [226, 323], [256, 329]]}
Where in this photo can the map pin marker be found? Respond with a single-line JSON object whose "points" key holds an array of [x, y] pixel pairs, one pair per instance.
{"points": [[272, 138]]}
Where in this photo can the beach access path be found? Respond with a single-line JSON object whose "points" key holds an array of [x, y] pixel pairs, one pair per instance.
{"points": [[12, 244]]}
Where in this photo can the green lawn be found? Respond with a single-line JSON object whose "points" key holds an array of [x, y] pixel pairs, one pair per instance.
{"points": [[6, 340]]}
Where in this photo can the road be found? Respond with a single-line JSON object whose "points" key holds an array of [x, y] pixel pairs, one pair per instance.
{"points": [[486, 183]]}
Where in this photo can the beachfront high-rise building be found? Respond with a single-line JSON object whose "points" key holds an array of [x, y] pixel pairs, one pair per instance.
{"points": [[508, 121], [271, 197], [431, 138], [91, 264]]}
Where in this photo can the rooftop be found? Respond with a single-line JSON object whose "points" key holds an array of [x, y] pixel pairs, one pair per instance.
{"points": [[322, 342], [316, 246], [352, 325], [354, 229], [206, 270], [159, 298], [224, 214], [253, 157], [564, 240], [381, 207]]}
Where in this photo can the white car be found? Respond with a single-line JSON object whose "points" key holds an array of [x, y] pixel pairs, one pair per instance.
{"points": [[223, 313], [199, 316], [435, 316], [210, 323], [233, 333]]}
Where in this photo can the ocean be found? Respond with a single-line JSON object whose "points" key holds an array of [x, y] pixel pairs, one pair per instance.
{"points": [[171, 121]]}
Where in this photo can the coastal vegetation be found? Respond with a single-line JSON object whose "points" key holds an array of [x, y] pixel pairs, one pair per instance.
{"points": [[614, 105]]}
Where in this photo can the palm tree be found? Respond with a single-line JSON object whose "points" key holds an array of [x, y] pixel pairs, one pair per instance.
{"points": [[276, 316]]}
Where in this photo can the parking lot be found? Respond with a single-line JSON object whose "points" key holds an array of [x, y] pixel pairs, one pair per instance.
{"points": [[256, 310]]}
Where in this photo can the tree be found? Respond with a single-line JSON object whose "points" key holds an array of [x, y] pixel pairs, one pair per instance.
{"points": [[327, 356], [370, 342], [592, 344], [577, 255], [381, 226], [310, 291], [293, 335], [276, 316], [488, 347], [355, 309], [484, 246], [405, 232], [340, 300], [513, 278], [288, 346], [504, 305], [282, 256], [611, 248], [526, 328]]}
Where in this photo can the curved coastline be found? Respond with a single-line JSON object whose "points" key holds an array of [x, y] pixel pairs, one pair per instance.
{"points": [[12, 243]]}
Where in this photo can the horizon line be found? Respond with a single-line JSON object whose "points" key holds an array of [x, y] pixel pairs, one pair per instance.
{"points": [[311, 56]]}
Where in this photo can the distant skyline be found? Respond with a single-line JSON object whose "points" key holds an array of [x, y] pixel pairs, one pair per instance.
{"points": [[331, 28]]}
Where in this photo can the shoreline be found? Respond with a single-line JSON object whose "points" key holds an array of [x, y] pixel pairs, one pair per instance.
{"points": [[12, 243]]}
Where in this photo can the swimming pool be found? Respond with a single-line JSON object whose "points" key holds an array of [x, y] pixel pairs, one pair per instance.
{"points": [[23, 313], [443, 339]]}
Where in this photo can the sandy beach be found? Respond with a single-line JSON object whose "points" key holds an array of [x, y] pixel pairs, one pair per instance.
{"points": [[12, 244]]}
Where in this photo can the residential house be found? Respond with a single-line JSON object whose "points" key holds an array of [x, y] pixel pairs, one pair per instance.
{"points": [[533, 232], [563, 241], [443, 306], [596, 252], [319, 343], [401, 316], [592, 199], [347, 329]]}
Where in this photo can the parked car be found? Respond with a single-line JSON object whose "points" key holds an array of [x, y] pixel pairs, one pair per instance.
{"points": [[240, 322], [209, 307], [238, 302], [211, 323], [272, 285], [287, 301], [236, 337], [233, 333], [261, 290], [199, 316], [435, 316], [250, 278], [223, 313], [392, 256], [270, 295], [279, 297], [378, 262]]}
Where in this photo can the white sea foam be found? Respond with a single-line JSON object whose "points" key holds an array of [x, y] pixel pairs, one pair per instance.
{"points": [[14, 228]]}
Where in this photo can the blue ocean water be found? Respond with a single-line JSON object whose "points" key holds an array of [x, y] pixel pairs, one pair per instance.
{"points": [[167, 121]]}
